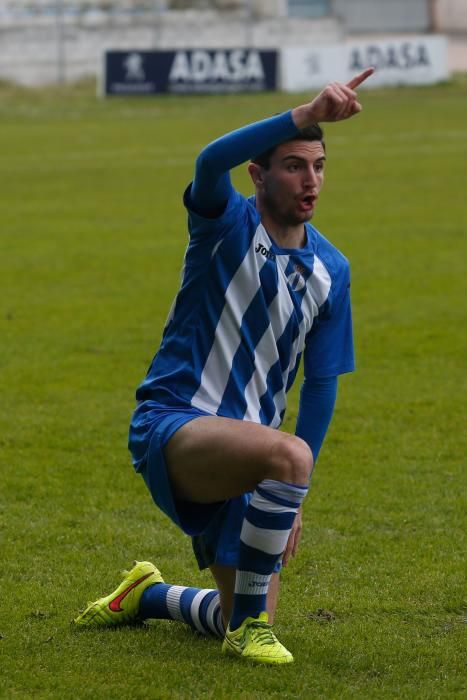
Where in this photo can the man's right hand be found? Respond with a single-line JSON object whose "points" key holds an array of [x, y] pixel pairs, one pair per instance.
{"points": [[336, 102]]}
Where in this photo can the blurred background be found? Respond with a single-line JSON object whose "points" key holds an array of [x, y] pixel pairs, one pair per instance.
{"points": [[62, 41]]}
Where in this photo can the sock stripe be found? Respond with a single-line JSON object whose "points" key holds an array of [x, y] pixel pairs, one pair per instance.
{"points": [[267, 506], [173, 602], [214, 603], [256, 560], [250, 583], [195, 610], [278, 487], [275, 521], [265, 539], [285, 503]]}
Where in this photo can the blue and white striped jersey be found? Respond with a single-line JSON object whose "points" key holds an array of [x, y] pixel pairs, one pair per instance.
{"points": [[245, 313]]}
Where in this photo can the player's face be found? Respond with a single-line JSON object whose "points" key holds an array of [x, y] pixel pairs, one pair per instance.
{"points": [[291, 185]]}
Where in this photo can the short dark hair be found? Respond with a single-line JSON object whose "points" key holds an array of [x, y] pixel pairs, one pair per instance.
{"points": [[310, 133]]}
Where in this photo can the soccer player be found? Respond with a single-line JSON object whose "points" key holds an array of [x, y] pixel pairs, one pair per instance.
{"points": [[260, 288]]}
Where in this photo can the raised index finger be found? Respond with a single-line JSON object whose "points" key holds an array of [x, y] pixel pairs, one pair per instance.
{"points": [[358, 80]]}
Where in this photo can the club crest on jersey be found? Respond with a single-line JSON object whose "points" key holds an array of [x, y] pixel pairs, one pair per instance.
{"points": [[260, 248], [296, 281]]}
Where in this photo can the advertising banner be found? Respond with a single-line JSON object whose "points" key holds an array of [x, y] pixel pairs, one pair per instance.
{"points": [[417, 60], [189, 71]]}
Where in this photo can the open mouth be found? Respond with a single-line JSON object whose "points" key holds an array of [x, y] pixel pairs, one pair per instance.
{"points": [[307, 202]]}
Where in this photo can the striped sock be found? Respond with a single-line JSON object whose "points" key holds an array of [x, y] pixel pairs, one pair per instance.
{"points": [[198, 607], [266, 527]]}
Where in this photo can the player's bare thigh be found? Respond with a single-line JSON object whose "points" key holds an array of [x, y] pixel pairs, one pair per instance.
{"points": [[212, 458]]}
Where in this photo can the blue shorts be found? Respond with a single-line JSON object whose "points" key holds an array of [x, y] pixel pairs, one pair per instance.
{"points": [[192, 518], [214, 527]]}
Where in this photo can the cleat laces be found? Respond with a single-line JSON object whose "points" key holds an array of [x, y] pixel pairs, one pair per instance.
{"points": [[262, 633]]}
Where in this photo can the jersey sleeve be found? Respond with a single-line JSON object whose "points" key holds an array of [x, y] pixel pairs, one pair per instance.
{"points": [[211, 187], [329, 349], [317, 399], [206, 227]]}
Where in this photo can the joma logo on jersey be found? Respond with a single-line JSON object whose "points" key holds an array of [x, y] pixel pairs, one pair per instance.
{"points": [[260, 248]]}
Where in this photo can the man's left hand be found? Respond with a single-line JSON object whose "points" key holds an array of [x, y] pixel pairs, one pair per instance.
{"points": [[294, 539], [336, 102]]}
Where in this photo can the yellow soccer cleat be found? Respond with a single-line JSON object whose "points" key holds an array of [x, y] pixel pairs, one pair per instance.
{"points": [[255, 641], [122, 606]]}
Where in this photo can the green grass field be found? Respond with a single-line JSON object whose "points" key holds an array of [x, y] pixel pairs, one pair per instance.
{"points": [[91, 245]]}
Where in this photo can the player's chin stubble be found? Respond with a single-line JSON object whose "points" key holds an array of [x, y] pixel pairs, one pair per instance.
{"points": [[285, 217]]}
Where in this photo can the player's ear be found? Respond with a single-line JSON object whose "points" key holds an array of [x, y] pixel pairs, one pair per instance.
{"points": [[256, 173]]}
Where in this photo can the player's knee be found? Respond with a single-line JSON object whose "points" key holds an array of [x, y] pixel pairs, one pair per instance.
{"points": [[292, 460]]}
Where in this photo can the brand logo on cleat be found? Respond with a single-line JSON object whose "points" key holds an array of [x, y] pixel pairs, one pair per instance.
{"points": [[114, 604]]}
